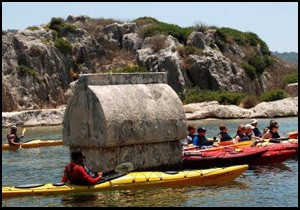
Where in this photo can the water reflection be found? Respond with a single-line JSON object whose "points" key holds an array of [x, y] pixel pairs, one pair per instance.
{"points": [[162, 197]]}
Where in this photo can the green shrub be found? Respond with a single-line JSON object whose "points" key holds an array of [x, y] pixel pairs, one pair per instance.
{"points": [[258, 63], [25, 70], [228, 35], [56, 23], [254, 40], [184, 51], [166, 29], [129, 69], [62, 28], [145, 21], [196, 95], [272, 95], [63, 45], [68, 28], [33, 28], [249, 69], [230, 97], [291, 78], [200, 27], [249, 102]]}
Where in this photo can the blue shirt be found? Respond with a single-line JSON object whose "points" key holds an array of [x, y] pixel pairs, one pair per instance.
{"points": [[201, 141]]}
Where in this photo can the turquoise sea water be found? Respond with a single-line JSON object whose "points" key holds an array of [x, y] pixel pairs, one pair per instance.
{"points": [[261, 186]]}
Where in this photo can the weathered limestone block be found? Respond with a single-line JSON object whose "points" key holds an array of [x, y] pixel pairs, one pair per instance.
{"points": [[115, 118]]}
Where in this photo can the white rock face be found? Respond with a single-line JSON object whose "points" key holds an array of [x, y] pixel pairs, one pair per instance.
{"points": [[280, 108]]}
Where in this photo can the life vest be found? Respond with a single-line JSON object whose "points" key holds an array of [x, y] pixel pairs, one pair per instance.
{"points": [[224, 137], [69, 170], [243, 137], [16, 138], [274, 135]]}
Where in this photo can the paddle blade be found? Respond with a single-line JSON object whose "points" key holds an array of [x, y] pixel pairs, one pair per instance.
{"points": [[124, 167], [23, 131]]}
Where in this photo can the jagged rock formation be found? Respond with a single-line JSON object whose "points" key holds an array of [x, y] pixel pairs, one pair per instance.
{"points": [[39, 63]]}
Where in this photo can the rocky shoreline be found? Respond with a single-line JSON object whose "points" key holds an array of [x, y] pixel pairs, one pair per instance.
{"points": [[287, 107]]}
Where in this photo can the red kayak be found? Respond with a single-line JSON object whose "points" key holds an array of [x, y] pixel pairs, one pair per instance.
{"points": [[290, 144], [275, 154], [293, 135], [220, 157]]}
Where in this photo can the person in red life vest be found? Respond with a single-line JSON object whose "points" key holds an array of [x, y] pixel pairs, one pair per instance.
{"points": [[77, 173]]}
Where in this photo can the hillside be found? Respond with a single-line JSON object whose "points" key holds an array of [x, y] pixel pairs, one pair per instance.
{"points": [[291, 57], [41, 63]]}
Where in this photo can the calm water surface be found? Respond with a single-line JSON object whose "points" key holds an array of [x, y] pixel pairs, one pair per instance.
{"points": [[261, 186]]}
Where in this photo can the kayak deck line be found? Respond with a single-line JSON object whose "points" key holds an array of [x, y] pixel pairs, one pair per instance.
{"points": [[134, 180]]}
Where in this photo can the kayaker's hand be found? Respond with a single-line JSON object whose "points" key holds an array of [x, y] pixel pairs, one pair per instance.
{"points": [[100, 174], [216, 144]]}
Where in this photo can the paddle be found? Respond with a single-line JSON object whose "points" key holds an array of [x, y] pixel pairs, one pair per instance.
{"points": [[120, 170], [23, 132]]}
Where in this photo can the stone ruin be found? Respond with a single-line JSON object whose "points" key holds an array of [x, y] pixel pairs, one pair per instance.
{"points": [[125, 117]]}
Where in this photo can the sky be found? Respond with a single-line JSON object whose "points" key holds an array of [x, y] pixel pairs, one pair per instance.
{"points": [[276, 23]]}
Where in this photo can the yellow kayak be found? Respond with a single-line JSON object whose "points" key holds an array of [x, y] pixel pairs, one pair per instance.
{"points": [[134, 180], [33, 143]]}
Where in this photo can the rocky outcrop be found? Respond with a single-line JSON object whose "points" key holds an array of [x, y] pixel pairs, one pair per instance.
{"points": [[37, 69], [280, 108], [42, 117], [196, 111], [158, 54]]}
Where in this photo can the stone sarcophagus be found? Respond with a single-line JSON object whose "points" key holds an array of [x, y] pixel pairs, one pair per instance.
{"points": [[125, 117]]}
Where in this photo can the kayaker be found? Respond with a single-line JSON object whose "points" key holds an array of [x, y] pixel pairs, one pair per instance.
{"points": [[256, 131], [249, 131], [223, 135], [13, 138], [272, 132], [191, 134], [77, 173], [200, 140], [241, 134]]}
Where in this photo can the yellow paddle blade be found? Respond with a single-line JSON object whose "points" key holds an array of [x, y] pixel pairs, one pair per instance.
{"points": [[23, 131]]}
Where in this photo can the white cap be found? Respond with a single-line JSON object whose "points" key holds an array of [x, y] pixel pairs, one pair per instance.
{"points": [[247, 126], [253, 121]]}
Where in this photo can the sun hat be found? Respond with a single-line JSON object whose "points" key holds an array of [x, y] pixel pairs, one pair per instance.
{"points": [[247, 126], [253, 121]]}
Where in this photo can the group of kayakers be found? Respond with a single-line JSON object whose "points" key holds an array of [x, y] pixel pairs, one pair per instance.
{"points": [[244, 133], [77, 173]]}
